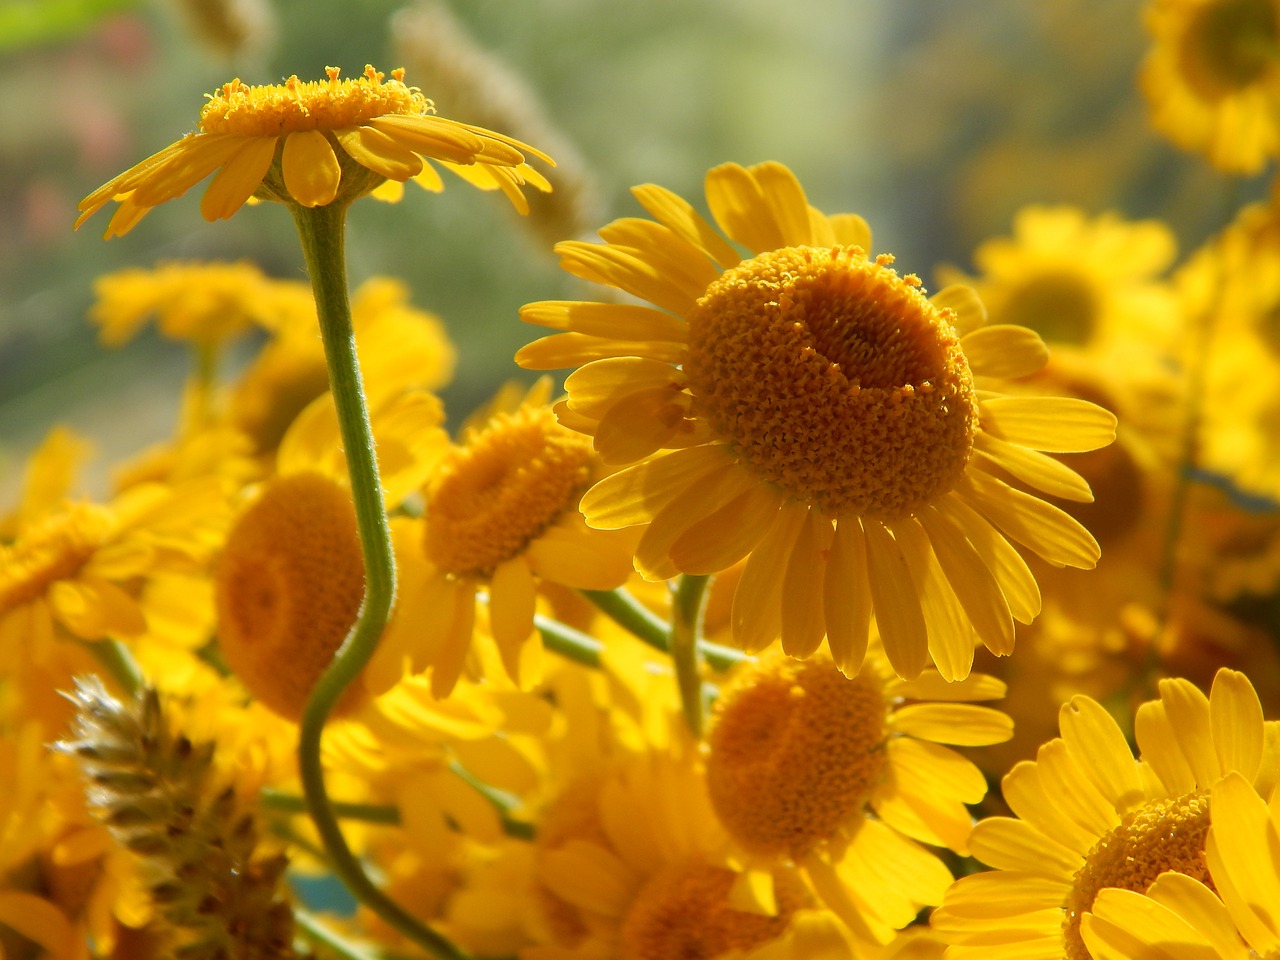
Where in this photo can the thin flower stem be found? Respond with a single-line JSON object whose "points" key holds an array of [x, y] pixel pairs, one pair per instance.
{"points": [[633, 616], [315, 931], [569, 643], [687, 605], [630, 614], [279, 802], [322, 231], [119, 664]]}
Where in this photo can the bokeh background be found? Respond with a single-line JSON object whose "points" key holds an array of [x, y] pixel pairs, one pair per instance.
{"points": [[935, 120]]}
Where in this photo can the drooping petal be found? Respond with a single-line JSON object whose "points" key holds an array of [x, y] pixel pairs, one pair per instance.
{"points": [[998, 555], [756, 617], [898, 615], [1032, 467], [1004, 350], [846, 597], [380, 152], [721, 539], [239, 177], [310, 168], [803, 624], [1053, 534], [634, 495]]}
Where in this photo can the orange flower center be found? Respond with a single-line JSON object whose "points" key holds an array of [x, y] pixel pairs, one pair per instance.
{"points": [[288, 588], [836, 378], [682, 913], [795, 749], [1228, 45], [503, 488], [55, 549], [1160, 835], [326, 105]]}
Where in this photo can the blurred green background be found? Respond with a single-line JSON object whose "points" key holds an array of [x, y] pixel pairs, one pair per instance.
{"points": [[935, 119]]}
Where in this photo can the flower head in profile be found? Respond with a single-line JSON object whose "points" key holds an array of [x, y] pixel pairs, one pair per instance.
{"points": [[811, 409], [1212, 78], [314, 143], [1089, 815]]}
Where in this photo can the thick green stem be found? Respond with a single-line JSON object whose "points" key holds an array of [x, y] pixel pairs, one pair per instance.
{"points": [[569, 643], [119, 663], [687, 605], [322, 231]]}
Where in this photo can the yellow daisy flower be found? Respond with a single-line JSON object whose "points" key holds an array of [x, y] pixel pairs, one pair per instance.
{"points": [[1212, 78], [632, 864], [290, 578], [1232, 284], [501, 516], [74, 568], [314, 143], [1090, 281], [1088, 815], [1237, 918], [824, 420], [847, 778], [400, 347], [206, 303]]}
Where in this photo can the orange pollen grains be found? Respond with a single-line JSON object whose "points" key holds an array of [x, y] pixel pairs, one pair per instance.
{"points": [[54, 550], [274, 109], [503, 488], [836, 378], [288, 588], [683, 913], [795, 750], [1160, 835]]}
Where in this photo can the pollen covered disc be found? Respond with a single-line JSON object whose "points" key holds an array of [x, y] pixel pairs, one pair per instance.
{"points": [[795, 751], [834, 377], [288, 588]]}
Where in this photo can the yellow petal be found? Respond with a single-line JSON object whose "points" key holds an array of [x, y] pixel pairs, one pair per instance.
{"points": [[39, 921], [1235, 716], [846, 597], [899, 618], [1204, 912], [739, 207], [803, 625], [575, 349], [199, 156], [950, 633], [239, 177], [672, 520], [1034, 468], [614, 267], [1072, 792], [310, 168], [680, 216], [962, 724], [1053, 534], [1243, 851], [786, 200], [635, 494], [1160, 750], [1005, 563], [1008, 844], [1055, 424], [1100, 751], [1004, 350], [1187, 709], [380, 152], [512, 599], [756, 617], [1026, 796], [850, 230], [639, 423], [1133, 926], [721, 539], [964, 302], [624, 321], [683, 263]]}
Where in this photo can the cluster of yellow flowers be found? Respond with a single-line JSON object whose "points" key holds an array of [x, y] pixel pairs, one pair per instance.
{"points": [[712, 656]]}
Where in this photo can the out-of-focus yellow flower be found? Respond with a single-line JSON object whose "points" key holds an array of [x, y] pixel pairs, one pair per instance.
{"points": [[847, 778], [400, 347], [501, 515], [201, 302], [74, 568], [1090, 816], [1212, 78], [1236, 918], [313, 143], [1232, 285], [1073, 279], [824, 421]]}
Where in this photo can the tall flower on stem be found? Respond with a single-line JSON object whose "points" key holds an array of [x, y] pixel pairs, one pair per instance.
{"points": [[809, 408], [316, 148]]}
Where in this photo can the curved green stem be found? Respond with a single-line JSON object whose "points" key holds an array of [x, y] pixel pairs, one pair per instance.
{"points": [[322, 232], [281, 802], [687, 605]]}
